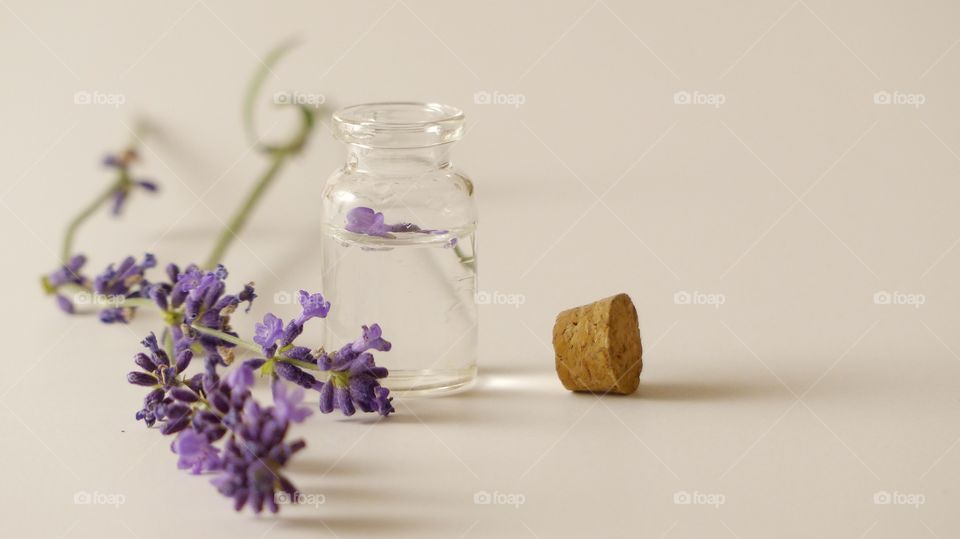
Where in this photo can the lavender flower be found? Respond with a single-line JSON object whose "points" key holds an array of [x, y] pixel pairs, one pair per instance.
{"points": [[202, 409], [67, 275], [209, 424], [286, 403], [362, 220], [252, 477], [314, 306], [196, 452], [119, 280], [366, 221], [353, 378], [240, 379], [120, 161], [254, 455], [267, 333], [354, 387], [122, 282], [167, 401], [196, 300], [126, 183], [372, 339]]}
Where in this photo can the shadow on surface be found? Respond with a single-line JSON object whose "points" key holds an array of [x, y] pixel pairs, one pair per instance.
{"points": [[704, 391], [367, 524], [309, 466]]}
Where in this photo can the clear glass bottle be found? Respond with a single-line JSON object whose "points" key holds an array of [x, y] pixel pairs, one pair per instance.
{"points": [[399, 244]]}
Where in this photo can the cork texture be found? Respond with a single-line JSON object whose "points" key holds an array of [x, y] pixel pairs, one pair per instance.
{"points": [[598, 347]]}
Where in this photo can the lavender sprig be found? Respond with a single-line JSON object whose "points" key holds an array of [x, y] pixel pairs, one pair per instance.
{"points": [[117, 191], [352, 376], [219, 427], [125, 181]]}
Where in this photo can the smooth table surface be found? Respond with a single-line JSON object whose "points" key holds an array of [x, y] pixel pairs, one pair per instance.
{"points": [[797, 406]]}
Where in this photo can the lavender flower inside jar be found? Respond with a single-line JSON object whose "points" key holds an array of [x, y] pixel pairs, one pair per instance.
{"points": [[399, 239]]}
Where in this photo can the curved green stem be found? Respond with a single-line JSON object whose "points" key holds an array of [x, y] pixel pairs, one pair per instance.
{"points": [[278, 154], [239, 219], [85, 213]]}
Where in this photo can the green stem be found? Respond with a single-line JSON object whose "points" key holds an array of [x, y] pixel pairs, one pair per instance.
{"points": [[301, 364], [96, 301], [239, 219], [85, 214], [253, 347], [467, 261], [278, 153]]}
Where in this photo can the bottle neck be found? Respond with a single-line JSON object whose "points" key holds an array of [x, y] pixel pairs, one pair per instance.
{"points": [[398, 161]]}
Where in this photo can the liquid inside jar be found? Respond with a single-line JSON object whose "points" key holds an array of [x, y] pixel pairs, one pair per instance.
{"points": [[421, 289]]}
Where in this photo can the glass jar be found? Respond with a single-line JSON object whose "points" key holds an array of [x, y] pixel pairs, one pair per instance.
{"points": [[399, 244]]}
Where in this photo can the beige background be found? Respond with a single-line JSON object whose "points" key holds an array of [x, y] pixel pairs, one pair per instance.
{"points": [[794, 402]]}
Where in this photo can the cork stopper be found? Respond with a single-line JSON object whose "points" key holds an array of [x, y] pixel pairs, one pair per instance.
{"points": [[598, 346]]}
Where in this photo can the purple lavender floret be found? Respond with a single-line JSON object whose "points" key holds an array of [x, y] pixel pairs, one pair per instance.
{"points": [[255, 452], [294, 374], [65, 305], [366, 221], [313, 305], [170, 398], [126, 184], [69, 273], [196, 452], [125, 280], [271, 334], [354, 377], [201, 294], [117, 283], [197, 299], [119, 280], [286, 402], [240, 379], [267, 333], [372, 339], [66, 275], [362, 220]]}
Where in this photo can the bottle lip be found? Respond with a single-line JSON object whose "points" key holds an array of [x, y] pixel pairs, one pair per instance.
{"points": [[402, 124]]}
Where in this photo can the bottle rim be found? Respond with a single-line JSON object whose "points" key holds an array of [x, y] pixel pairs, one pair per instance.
{"points": [[402, 124]]}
